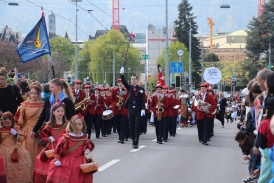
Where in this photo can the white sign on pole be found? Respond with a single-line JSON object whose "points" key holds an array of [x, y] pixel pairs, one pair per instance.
{"points": [[212, 75]]}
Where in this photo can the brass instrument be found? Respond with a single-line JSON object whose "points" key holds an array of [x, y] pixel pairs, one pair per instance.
{"points": [[146, 104], [201, 105], [160, 109], [120, 103], [81, 105]]}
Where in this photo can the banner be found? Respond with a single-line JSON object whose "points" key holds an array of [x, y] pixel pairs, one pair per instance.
{"points": [[36, 43]]}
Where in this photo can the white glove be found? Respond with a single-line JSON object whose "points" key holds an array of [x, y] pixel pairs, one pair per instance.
{"points": [[57, 163], [143, 112], [189, 109], [87, 151], [51, 139], [13, 132], [122, 70]]}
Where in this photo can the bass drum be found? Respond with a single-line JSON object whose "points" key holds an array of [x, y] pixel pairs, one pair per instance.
{"points": [[107, 114]]}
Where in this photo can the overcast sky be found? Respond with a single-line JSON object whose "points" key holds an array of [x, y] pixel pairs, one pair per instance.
{"points": [[135, 14]]}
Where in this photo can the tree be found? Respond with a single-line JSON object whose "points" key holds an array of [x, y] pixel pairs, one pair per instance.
{"points": [[211, 57], [182, 25], [260, 35], [104, 50], [172, 55]]}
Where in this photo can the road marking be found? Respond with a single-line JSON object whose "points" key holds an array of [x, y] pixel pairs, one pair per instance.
{"points": [[154, 140], [179, 128], [105, 166], [135, 150]]}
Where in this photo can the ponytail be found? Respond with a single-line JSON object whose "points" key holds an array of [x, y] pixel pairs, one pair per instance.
{"points": [[67, 90]]}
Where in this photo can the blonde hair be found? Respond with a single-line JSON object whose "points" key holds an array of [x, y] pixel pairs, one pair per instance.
{"points": [[71, 123], [64, 85], [221, 95]]}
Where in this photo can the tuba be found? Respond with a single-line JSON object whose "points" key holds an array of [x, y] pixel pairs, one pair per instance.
{"points": [[160, 110], [81, 105]]}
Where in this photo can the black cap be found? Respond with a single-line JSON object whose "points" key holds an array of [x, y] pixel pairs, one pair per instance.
{"points": [[269, 103]]}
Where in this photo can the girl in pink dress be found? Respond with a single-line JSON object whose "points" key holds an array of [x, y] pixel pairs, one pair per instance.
{"points": [[3, 178], [51, 133], [70, 153]]}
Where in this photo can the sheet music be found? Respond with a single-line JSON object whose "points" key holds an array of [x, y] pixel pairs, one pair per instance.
{"points": [[160, 95]]}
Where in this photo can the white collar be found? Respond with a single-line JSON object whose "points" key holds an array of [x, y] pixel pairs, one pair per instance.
{"points": [[72, 134]]}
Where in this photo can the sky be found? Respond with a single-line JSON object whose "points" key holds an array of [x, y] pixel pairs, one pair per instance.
{"points": [[135, 14]]}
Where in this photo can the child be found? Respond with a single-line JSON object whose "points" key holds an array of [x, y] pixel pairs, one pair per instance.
{"points": [[246, 142], [17, 160], [228, 111], [51, 133], [69, 154]]}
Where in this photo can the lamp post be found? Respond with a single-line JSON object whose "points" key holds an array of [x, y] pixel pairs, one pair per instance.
{"points": [[189, 60], [166, 39], [76, 43]]}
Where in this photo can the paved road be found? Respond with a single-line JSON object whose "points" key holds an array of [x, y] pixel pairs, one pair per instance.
{"points": [[180, 160]]}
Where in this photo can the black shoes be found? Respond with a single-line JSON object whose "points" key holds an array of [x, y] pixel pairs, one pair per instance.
{"points": [[126, 139], [135, 146], [165, 140], [160, 142], [205, 143], [122, 142]]}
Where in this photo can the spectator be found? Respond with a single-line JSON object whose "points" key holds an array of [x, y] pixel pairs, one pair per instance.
{"points": [[46, 91], [10, 97]]}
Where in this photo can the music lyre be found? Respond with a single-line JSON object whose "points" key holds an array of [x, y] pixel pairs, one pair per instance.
{"points": [[37, 42]]}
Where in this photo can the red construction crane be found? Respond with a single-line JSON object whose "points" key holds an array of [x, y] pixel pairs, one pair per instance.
{"points": [[116, 14], [260, 7]]}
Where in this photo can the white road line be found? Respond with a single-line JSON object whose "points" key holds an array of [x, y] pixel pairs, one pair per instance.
{"points": [[179, 128], [135, 150], [105, 166], [154, 140]]}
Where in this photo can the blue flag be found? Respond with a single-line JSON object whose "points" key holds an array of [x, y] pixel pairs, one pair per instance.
{"points": [[36, 43]]}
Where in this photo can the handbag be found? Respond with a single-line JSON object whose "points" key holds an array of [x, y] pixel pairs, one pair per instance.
{"points": [[15, 156]]}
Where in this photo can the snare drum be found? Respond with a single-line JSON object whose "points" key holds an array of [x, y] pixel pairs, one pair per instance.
{"points": [[107, 114]]}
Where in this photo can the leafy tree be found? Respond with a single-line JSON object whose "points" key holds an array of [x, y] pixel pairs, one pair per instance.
{"points": [[182, 25], [101, 52], [172, 54], [260, 34], [211, 57]]}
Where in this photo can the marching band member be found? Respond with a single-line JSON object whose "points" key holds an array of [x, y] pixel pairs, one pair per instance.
{"points": [[204, 117], [176, 102], [185, 108], [98, 108], [147, 115], [107, 101], [118, 98], [211, 130], [168, 110], [135, 105], [78, 94], [158, 105], [89, 113]]}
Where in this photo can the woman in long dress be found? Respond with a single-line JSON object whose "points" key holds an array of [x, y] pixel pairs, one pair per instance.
{"points": [[51, 133], [70, 153], [27, 116], [18, 164]]}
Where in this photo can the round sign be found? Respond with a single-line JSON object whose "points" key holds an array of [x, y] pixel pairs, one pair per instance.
{"points": [[180, 53], [212, 75]]}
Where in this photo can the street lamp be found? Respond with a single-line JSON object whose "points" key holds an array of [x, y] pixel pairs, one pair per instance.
{"points": [[189, 61], [76, 44]]}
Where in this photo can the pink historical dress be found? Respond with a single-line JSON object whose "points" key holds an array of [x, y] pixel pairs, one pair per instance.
{"points": [[16, 172], [41, 167], [70, 150]]}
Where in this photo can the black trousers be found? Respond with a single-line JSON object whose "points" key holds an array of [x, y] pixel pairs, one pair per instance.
{"points": [[116, 120], [104, 127], [200, 127], [98, 119], [143, 127], [89, 121], [159, 127], [134, 120], [207, 124], [166, 127], [173, 125]]}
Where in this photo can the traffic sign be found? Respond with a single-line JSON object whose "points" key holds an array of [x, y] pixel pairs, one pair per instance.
{"points": [[176, 67], [145, 57]]}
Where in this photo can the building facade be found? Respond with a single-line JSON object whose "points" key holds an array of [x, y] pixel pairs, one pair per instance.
{"points": [[52, 25]]}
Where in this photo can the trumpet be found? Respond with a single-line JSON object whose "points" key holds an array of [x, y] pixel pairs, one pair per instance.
{"points": [[81, 105], [97, 98], [160, 109]]}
